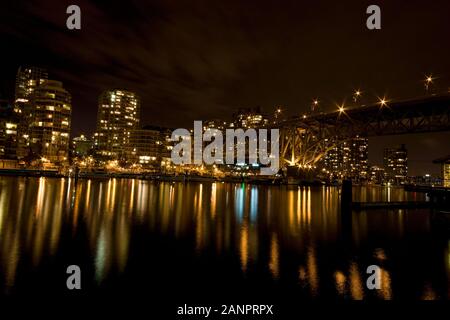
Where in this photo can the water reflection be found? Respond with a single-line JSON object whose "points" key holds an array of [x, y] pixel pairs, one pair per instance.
{"points": [[267, 230]]}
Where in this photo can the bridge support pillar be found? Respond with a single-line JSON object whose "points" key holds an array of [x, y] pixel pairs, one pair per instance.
{"points": [[346, 206], [346, 194]]}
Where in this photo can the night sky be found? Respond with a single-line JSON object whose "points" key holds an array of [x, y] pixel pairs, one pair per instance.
{"points": [[197, 60]]}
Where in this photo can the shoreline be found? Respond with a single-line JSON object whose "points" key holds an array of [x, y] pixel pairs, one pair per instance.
{"points": [[257, 180]]}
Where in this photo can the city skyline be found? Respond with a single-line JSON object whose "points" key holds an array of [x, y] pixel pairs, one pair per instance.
{"points": [[205, 64], [373, 158]]}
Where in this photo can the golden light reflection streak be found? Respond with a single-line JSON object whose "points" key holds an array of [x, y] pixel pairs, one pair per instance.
{"points": [[57, 216], [39, 227], [62, 192], [108, 194], [68, 191], [244, 246], [130, 208], [199, 218], [100, 195], [356, 285], [274, 263], [298, 206], [142, 197], [291, 208], [171, 197], [9, 242], [311, 265], [304, 217], [213, 199], [308, 203], [339, 279], [113, 197], [76, 206], [164, 207], [4, 207], [385, 292], [88, 195], [40, 196], [122, 243]]}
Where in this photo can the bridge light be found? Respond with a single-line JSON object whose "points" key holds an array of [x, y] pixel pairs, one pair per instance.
{"points": [[314, 104], [341, 109], [428, 81], [383, 102], [356, 95]]}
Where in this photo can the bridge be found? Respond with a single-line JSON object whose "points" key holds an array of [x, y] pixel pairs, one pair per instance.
{"points": [[304, 140]]}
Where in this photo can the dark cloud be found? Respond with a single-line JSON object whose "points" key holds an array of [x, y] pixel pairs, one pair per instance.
{"points": [[203, 59]]}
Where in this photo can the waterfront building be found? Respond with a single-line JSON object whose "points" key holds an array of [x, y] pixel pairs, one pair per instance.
{"points": [[250, 118], [376, 174], [348, 159], [149, 147], [118, 115], [396, 164], [27, 79], [356, 157], [9, 121], [50, 122], [217, 124], [144, 147], [445, 169], [166, 146]]}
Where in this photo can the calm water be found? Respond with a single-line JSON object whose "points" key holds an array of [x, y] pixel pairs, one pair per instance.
{"points": [[193, 242]]}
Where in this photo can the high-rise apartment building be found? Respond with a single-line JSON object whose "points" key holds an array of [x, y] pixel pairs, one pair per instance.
{"points": [[396, 164], [118, 115], [27, 79], [348, 159], [50, 121]]}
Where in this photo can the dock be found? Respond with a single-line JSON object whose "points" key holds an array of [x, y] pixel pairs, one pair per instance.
{"points": [[391, 205]]}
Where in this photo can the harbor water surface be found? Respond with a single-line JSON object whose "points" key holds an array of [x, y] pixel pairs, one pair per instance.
{"points": [[195, 241]]}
